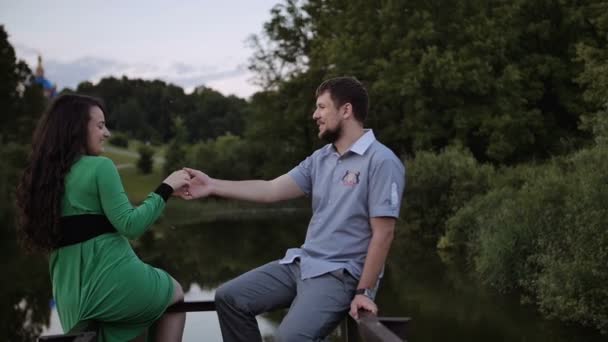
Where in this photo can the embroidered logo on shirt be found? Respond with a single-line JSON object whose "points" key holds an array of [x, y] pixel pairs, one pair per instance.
{"points": [[351, 178], [394, 195]]}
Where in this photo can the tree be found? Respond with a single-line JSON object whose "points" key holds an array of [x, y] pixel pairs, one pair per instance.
{"points": [[145, 109], [497, 79], [25, 308], [214, 114], [593, 55], [21, 102], [283, 51], [145, 161], [175, 157]]}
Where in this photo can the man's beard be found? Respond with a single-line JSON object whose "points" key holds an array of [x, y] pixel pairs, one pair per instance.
{"points": [[330, 136]]}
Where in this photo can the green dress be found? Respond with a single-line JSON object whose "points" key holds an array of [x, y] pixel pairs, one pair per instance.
{"points": [[102, 279]]}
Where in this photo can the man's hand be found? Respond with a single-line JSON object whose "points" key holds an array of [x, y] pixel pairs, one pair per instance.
{"points": [[362, 302], [199, 187]]}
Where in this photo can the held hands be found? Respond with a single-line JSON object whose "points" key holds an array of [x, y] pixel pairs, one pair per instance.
{"points": [[178, 180], [198, 187], [362, 302]]}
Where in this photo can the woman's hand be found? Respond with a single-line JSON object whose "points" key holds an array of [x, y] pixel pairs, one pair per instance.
{"points": [[178, 180], [199, 186]]}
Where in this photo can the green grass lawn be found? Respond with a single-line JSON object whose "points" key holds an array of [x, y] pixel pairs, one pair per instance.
{"points": [[120, 159], [137, 185]]}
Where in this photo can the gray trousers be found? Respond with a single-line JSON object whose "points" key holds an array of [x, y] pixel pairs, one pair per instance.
{"points": [[316, 305]]}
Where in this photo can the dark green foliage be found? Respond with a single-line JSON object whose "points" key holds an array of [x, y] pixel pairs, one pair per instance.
{"points": [[224, 157], [175, 157], [146, 109], [545, 235], [280, 131], [25, 310], [497, 78], [20, 106], [119, 139], [214, 115], [594, 76], [145, 161], [21, 103], [440, 184], [13, 158]]}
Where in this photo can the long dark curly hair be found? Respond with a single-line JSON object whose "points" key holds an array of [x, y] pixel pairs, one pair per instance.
{"points": [[59, 140]]}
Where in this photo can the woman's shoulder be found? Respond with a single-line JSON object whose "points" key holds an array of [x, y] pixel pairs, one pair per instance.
{"points": [[95, 159], [95, 162]]}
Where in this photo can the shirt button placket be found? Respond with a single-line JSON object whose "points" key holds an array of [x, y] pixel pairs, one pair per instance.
{"points": [[336, 178]]}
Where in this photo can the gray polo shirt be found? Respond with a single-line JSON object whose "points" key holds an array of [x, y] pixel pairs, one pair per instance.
{"points": [[347, 190]]}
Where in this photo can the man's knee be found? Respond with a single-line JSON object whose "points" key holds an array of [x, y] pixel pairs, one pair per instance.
{"points": [[226, 294], [287, 333]]}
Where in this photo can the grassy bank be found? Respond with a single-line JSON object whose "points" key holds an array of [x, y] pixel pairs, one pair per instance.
{"points": [[138, 186]]}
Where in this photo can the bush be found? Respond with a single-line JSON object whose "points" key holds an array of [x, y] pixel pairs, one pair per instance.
{"points": [[224, 157], [145, 162], [119, 139], [546, 236], [175, 158], [440, 184], [572, 284]]}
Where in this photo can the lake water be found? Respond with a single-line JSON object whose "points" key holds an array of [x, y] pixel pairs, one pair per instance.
{"points": [[444, 301]]}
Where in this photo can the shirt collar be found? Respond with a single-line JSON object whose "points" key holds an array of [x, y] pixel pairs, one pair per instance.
{"points": [[362, 144]]}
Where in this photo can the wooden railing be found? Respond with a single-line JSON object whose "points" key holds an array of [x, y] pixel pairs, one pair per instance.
{"points": [[371, 328], [368, 328]]}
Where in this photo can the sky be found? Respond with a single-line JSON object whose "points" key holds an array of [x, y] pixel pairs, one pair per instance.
{"points": [[184, 42]]}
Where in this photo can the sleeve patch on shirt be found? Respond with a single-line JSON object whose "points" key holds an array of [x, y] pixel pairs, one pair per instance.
{"points": [[394, 195]]}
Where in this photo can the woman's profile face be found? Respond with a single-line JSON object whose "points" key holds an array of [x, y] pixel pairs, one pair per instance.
{"points": [[97, 131]]}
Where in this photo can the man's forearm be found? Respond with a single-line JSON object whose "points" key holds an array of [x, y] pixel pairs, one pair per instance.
{"points": [[377, 252], [248, 190]]}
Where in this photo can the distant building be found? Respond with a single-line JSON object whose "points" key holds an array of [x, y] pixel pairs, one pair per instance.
{"points": [[49, 89]]}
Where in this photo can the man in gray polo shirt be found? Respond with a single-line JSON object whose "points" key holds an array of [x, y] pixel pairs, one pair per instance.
{"points": [[356, 184]]}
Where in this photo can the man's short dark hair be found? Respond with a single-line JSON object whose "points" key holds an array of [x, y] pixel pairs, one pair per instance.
{"points": [[347, 90]]}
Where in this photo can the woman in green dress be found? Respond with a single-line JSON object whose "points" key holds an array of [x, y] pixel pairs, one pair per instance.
{"points": [[73, 206]]}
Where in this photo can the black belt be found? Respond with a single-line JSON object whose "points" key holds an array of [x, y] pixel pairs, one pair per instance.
{"points": [[80, 228]]}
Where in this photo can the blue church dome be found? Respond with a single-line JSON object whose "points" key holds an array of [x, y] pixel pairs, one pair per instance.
{"points": [[49, 89]]}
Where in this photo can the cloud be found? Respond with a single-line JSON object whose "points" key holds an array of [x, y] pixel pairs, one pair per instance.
{"points": [[71, 73], [23, 50], [83, 69]]}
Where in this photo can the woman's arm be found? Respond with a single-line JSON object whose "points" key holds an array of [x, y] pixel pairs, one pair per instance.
{"points": [[131, 221]]}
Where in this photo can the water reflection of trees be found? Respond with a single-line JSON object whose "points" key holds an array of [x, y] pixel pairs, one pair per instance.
{"points": [[25, 293], [213, 252], [447, 303], [437, 292]]}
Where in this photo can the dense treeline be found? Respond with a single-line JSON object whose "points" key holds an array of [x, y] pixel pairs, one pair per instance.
{"points": [[146, 110], [500, 78]]}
